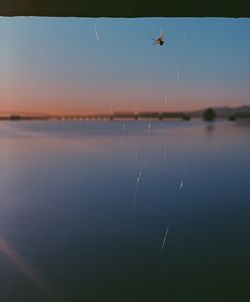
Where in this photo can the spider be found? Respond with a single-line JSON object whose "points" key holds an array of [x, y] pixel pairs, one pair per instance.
{"points": [[160, 40]]}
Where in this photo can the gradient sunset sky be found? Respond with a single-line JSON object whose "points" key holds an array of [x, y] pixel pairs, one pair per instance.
{"points": [[60, 65]]}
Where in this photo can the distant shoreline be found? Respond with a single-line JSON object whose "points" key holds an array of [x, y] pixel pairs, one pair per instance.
{"points": [[230, 113], [17, 118]]}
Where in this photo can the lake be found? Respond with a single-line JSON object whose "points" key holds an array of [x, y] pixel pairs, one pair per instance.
{"points": [[124, 211]]}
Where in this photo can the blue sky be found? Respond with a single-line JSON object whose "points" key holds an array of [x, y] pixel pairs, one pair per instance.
{"points": [[58, 64]]}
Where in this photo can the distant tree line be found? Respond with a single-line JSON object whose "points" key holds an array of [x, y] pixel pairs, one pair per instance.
{"points": [[239, 115], [209, 114]]}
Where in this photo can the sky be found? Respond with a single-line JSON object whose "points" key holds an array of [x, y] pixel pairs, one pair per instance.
{"points": [[100, 65]]}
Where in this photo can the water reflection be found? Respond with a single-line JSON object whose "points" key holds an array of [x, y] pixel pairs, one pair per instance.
{"points": [[66, 204], [210, 127], [21, 265]]}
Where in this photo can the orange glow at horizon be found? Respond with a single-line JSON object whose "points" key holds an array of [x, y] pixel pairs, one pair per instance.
{"points": [[58, 97], [101, 105]]}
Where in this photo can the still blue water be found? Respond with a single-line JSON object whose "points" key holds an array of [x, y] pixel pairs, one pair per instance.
{"points": [[78, 223]]}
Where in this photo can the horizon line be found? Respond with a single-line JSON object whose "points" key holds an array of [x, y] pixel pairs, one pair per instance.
{"points": [[7, 112]]}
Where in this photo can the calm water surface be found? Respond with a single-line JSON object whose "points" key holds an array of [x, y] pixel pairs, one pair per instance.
{"points": [[78, 223]]}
